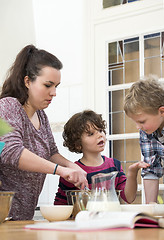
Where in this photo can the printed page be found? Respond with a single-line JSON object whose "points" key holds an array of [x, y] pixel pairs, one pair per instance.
{"points": [[87, 219], [95, 221]]}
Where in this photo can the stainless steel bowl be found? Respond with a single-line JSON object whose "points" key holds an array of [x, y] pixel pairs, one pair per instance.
{"points": [[5, 204]]}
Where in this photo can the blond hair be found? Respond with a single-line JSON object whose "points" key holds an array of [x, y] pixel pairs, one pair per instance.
{"points": [[145, 95]]}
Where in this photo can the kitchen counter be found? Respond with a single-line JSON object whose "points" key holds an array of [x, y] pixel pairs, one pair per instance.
{"points": [[14, 230]]}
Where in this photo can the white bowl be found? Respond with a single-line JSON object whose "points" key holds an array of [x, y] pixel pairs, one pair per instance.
{"points": [[56, 212]]}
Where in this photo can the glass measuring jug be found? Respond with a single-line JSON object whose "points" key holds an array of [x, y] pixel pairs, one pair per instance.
{"points": [[103, 194]]}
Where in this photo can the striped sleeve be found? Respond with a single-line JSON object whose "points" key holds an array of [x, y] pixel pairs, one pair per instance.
{"points": [[61, 195]]}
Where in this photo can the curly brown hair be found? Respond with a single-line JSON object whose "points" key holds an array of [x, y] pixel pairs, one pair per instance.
{"points": [[77, 125]]}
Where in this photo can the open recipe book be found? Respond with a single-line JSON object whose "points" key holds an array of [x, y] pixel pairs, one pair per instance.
{"points": [[92, 221]]}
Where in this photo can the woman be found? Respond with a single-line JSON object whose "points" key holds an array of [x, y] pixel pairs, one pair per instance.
{"points": [[30, 151]]}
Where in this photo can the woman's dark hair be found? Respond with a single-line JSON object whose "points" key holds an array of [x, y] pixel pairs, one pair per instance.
{"points": [[29, 62], [77, 125]]}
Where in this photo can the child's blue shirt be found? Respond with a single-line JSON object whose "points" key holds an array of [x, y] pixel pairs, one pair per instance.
{"points": [[152, 150]]}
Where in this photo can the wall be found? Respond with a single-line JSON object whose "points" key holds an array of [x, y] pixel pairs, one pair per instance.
{"points": [[60, 27], [16, 30]]}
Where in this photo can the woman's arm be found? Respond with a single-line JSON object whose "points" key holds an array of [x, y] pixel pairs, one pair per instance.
{"points": [[78, 176], [31, 162], [69, 171]]}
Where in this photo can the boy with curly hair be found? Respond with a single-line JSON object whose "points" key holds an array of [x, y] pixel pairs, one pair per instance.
{"points": [[85, 133]]}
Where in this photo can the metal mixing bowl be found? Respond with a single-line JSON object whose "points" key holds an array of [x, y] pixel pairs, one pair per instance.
{"points": [[5, 204]]}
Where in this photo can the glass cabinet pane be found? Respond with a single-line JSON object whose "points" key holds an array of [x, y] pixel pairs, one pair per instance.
{"points": [[130, 126], [131, 49], [112, 52], [153, 66], [125, 58], [162, 69], [118, 123], [117, 76], [133, 153], [118, 151], [131, 71], [152, 47], [117, 101], [127, 150], [111, 3]]}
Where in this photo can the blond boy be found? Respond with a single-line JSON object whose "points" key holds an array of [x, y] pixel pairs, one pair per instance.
{"points": [[144, 104]]}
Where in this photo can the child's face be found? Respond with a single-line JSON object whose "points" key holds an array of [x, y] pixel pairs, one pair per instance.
{"points": [[93, 141], [149, 123]]}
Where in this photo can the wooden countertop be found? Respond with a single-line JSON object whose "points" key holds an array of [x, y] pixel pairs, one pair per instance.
{"points": [[14, 230]]}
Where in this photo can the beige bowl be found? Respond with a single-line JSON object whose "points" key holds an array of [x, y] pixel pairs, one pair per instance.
{"points": [[5, 204], [56, 212]]}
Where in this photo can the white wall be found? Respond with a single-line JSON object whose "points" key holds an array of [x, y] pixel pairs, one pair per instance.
{"points": [[16, 31], [60, 28]]}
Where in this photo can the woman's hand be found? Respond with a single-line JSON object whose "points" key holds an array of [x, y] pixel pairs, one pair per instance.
{"points": [[75, 175], [70, 171]]}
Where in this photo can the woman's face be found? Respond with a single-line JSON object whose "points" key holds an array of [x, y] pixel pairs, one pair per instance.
{"points": [[43, 89]]}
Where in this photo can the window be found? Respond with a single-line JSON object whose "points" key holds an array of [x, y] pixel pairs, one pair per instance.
{"points": [[128, 59], [111, 3]]}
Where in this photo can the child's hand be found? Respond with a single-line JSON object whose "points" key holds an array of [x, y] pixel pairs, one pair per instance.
{"points": [[131, 182], [138, 165]]}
